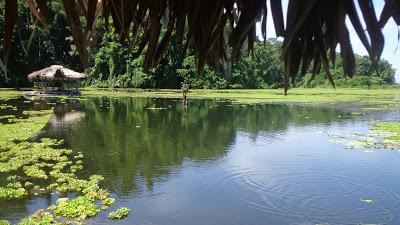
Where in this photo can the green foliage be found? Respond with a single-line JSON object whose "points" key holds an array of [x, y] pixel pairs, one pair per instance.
{"points": [[12, 193], [4, 222], [81, 207], [46, 49], [115, 64], [33, 171], [391, 130], [107, 203], [40, 217], [366, 76], [20, 130], [44, 167], [119, 213], [261, 68], [382, 135]]}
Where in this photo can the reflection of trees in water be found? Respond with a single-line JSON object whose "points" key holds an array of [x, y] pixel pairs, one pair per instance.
{"points": [[129, 138]]}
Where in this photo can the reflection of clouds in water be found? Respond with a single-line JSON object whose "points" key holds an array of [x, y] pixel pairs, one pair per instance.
{"points": [[227, 165], [299, 184]]}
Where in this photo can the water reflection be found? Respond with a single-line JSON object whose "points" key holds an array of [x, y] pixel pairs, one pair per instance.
{"points": [[133, 139], [222, 163]]}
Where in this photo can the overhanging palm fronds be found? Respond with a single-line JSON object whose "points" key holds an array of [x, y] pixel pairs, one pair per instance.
{"points": [[219, 28]]}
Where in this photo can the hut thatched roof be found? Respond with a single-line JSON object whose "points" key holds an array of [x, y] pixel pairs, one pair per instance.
{"points": [[56, 73], [218, 29]]}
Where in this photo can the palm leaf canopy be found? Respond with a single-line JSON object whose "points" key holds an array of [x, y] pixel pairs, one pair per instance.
{"points": [[218, 30]]}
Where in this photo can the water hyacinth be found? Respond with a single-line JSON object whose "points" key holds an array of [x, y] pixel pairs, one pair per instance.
{"points": [[40, 217], [34, 172], [81, 207], [381, 135], [4, 222], [20, 129], [119, 213], [107, 203], [35, 168], [12, 193]]}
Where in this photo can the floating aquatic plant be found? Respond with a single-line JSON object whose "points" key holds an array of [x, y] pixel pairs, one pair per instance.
{"points": [[382, 135], [107, 203], [12, 193], [40, 217], [35, 112], [5, 222], [44, 167], [34, 172], [119, 213], [81, 207], [7, 117], [21, 129]]}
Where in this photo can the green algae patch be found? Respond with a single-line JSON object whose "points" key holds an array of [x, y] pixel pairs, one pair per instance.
{"points": [[81, 207], [119, 213]]}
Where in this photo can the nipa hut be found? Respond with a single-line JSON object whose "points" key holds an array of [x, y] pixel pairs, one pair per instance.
{"points": [[56, 78]]}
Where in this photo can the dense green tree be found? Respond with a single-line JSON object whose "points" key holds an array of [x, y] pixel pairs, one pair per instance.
{"points": [[112, 63], [45, 49]]}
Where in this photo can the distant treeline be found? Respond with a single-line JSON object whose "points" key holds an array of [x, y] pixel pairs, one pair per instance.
{"points": [[112, 64]]}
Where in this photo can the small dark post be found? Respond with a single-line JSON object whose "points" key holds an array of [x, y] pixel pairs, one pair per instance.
{"points": [[185, 90]]}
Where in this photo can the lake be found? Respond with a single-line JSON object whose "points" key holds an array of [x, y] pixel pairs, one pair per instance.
{"points": [[218, 162]]}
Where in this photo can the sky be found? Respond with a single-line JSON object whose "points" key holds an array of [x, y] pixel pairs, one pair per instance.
{"points": [[391, 51]]}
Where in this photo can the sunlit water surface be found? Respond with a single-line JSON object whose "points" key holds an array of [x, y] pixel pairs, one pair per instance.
{"points": [[219, 163]]}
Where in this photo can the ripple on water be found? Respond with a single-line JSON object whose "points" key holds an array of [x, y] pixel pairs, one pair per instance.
{"points": [[315, 196]]}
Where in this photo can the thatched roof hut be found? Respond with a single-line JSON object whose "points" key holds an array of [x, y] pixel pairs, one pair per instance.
{"points": [[56, 73]]}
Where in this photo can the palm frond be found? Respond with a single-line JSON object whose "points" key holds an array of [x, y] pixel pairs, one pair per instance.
{"points": [[217, 28]]}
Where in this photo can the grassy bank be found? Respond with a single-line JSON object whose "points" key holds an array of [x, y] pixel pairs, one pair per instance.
{"points": [[298, 95]]}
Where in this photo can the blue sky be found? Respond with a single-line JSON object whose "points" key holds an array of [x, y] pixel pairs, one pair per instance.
{"points": [[391, 32]]}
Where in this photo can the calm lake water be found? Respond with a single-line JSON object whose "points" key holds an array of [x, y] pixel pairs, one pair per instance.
{"points": [[218, 163]]}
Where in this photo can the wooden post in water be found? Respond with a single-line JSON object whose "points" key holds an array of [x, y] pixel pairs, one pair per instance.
{"points": [[185, 90]]}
